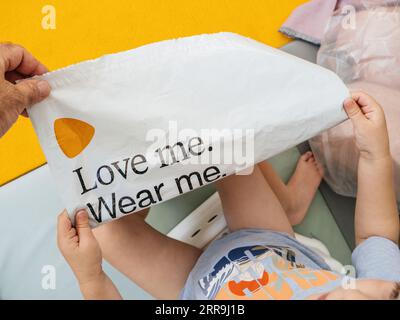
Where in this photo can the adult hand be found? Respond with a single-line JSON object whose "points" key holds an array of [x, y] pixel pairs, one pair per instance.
{"points": [[16, 64]]}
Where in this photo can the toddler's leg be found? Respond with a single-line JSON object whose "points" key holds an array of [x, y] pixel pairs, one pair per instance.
{"points": [[249, 202], [153, 261], [297, 195]]}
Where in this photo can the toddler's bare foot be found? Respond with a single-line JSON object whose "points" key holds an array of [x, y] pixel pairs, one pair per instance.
{"points": [[302, 187]]}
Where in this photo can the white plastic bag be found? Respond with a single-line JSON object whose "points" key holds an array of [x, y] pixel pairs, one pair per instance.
{"points": [[362, 46], [130, 130]]}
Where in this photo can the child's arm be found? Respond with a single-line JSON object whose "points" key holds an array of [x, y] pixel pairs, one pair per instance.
{"points": [[376, 208], [82, 252]]}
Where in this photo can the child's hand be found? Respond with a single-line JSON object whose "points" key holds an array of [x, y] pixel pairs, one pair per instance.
{"points": [[369, 126], [80, 248]]}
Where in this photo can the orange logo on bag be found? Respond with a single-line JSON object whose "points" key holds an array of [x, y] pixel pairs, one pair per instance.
{"points": [[73, 135]]}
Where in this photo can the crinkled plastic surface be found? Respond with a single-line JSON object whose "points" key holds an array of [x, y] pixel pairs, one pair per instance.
{"points": [[361, 45], [106, 127]]}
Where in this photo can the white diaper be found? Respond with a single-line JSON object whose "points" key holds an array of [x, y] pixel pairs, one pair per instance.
{"points": [[130, 130]]}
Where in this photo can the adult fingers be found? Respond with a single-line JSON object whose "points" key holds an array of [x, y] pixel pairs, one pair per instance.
{"points": [[15, 57], [31, 92]]}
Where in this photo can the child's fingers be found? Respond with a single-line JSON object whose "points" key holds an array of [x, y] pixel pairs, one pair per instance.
{"points": [[82, 226], [365, 101], [369, 106], [362, 98], [354, 111], [63, 224], [65, 232], [71, 234]]}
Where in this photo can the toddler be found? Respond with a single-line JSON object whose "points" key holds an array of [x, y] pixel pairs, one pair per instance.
{"points": [[260, 257]]}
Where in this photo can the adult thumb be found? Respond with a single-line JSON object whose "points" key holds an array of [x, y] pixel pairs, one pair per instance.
{"points": [[32, 91], [354, 111], [82, 226]]}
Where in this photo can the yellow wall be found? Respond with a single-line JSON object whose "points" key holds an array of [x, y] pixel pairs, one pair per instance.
{"points": [[87, 29]]}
